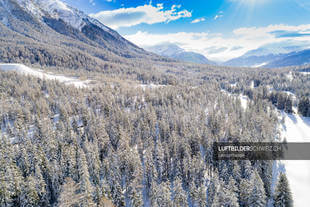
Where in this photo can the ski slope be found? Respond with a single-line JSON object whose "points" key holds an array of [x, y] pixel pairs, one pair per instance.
{"points": [[22, 69], [296, 128]]}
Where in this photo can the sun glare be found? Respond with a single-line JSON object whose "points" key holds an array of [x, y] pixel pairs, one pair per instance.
{"points": [[249, 2]]}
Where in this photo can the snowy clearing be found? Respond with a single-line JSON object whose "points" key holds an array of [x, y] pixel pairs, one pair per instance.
{"points": [[260, 65], [244, 101], [233, 85], [252, 84], [297, 129], [150, 86], [20, 68], [289, 76]]}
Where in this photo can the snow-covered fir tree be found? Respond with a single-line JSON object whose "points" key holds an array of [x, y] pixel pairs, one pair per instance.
{"points": [[282, 194]]}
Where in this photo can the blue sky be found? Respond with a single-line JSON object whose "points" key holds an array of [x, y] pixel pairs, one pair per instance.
{"points": [[219, 29]]}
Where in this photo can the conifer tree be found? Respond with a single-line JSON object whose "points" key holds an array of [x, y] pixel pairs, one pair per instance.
{"points": [[161, 194], [86, 188], [283, 195], [258, 195], [40, 186], [232, 185], [180, 197], [245, 187], [18, 183], [5, 177], [288, 105], [30, 196], [201, 193], [69, 195], [304, 106], [225, 197], [5, 194]]}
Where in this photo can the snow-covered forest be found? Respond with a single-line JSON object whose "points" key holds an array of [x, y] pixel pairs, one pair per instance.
{"points": [[117, 143]]}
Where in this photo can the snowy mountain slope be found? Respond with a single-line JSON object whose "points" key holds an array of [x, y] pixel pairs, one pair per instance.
{"points": [[22, 69], [277, 48], [251, 61], [291, 59], [297, 129], [165, 49], [59, 10], [173, 51], [269, 55]]}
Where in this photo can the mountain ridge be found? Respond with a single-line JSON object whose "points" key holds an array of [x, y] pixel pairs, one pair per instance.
{"points": [[297, 58], [173, 51], [267, 55]]}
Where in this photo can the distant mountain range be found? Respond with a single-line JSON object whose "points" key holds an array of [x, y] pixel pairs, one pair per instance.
{"points": [[273, 55], [280, 54], [173, 51], [291, 59]]}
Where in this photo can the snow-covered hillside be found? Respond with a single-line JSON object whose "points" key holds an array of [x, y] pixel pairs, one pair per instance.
{"points": [[53, 8], [296, 128], [19, 68], [59, 10]]}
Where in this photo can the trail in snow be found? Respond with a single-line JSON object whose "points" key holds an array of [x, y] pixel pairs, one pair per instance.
{"points": [[19, 68], [297, 129]]}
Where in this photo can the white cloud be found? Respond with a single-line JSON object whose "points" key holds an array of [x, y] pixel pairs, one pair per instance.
{"points": [[220, 48], [218, 16], [149, 14], [202, 19], [92, 2]]}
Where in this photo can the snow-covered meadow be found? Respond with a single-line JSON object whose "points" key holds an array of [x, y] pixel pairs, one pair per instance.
{"points": [[22, 69]]}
